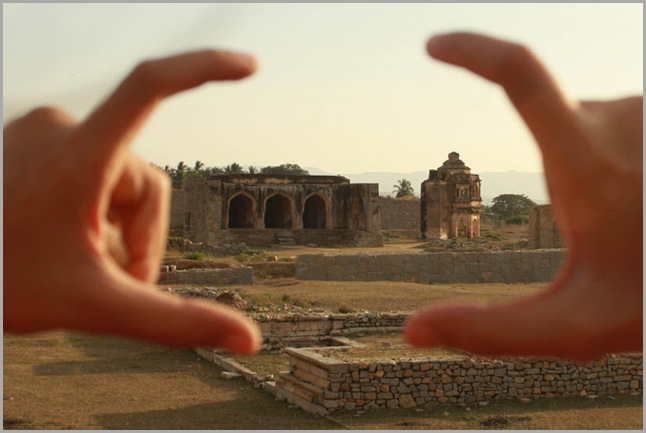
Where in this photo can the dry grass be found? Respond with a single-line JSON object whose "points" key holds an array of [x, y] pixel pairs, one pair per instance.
{"points": [[379, 296], [69, 381]]}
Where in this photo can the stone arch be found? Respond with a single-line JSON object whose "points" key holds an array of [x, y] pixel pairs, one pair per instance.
{"points": [[278, 212], [462, 228], [315, 212], [241, 212]]}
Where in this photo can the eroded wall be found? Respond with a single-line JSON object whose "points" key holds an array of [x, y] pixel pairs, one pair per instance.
{"points": [[543, 231], [400, 214], [434, 268]]}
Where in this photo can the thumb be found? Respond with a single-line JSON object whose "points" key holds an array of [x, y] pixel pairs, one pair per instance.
{"points": [[533, 326]]}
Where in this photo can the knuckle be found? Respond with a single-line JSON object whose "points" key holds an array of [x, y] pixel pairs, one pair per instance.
{"points": [[145, 75], [159, 181], [519, 57], [49, 115]]}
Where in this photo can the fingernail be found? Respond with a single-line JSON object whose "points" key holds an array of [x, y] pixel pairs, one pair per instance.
{"points": [[435, 39], [243, 343]]}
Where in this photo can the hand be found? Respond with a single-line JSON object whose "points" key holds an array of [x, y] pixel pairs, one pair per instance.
{"points": [[85, 221], [592, 155]]}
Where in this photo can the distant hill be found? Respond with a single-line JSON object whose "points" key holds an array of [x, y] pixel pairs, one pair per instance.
{"points": [[493, 183]]}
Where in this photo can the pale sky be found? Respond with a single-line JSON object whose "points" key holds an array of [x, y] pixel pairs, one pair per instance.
{"points": [[345, 88]]}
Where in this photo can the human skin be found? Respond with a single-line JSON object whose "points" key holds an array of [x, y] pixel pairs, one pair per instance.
{"points": [[86, 220], [592, 156]]}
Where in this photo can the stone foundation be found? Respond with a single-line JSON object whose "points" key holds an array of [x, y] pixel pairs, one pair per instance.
{"points": [[318, 329], [321, 384], [346, 237], [229, 276]]}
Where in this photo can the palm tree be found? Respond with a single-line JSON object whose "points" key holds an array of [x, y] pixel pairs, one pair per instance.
{"points": [[403, 188], [233, 168]]}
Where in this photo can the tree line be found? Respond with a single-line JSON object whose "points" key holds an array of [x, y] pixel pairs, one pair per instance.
{"points": [[182, 172]]}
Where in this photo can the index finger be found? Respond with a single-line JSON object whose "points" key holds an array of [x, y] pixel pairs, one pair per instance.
{"points": [[545, 109], [115, 121]]}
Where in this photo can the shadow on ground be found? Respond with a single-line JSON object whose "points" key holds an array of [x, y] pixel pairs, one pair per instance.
{"points": [[234, 415]]}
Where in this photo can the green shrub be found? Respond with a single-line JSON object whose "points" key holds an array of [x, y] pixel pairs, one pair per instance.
{"points": [[517, 219], [194, 255], [253, 256]]}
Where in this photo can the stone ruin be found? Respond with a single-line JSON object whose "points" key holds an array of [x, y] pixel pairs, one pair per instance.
{"points": [[323, 377], [543, 229], [260, 210], [450, 201], [282, 209]]}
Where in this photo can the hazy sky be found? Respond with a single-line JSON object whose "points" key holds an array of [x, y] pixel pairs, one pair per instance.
{"points": [[346, 88]]}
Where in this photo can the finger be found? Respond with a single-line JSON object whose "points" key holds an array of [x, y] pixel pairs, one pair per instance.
{"points": [[148, 314], [536, 96], [531, 327], [114, 122], [624, 118], [140, 207], [40, 127]]}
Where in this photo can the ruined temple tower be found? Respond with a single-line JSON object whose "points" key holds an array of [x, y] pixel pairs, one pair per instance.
{"points": [[450, 201]]}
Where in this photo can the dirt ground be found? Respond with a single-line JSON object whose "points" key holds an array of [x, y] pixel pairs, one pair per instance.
{"points": [[62, 380]]}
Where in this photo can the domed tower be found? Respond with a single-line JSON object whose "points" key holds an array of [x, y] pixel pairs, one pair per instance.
{"points": [[450, 201]]}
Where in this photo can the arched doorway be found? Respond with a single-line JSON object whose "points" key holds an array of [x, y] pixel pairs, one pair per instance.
{"points": [[314, 213], [278, 212], [476, 227], [241, 212], [463, 228]]}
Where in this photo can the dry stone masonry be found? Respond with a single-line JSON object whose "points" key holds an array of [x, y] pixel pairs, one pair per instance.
{"points": [[399, 213], [318, 329], [322, 384], [230, 276], [321, 381], [434, 268]]}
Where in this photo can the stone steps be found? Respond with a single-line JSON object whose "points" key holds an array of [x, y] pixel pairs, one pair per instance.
{"points": [[285, 238]]}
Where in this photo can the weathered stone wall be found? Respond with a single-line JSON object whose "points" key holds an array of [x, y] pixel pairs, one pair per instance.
{"points": [[314, 329], [399, 214], [177, 208], [323, 384], [345, 237], [543, 231], [261, 205], [203, 211], [232, 276], [436, 268]]}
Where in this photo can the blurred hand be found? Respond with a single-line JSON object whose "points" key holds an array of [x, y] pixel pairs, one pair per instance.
{"points": [[85, 220], [592, 156]]}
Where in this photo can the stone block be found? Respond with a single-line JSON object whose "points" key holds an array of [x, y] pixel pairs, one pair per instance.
{"points": [[407, 401]]}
